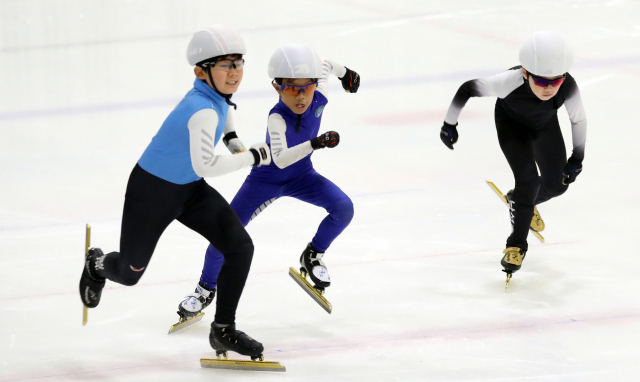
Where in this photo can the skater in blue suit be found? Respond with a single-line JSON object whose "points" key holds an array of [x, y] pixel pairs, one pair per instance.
{"points": [[300, 77]]}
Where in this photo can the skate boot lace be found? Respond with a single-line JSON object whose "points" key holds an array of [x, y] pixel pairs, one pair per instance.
{"points": [[237, 335], [198, 296], [315, 259], [97, 258]]}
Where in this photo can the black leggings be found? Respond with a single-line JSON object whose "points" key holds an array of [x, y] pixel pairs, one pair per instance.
{"points": [[151, 204], [524, 148]]}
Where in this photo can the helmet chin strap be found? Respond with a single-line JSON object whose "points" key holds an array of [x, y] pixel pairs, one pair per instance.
{"points": [[227, 97]]}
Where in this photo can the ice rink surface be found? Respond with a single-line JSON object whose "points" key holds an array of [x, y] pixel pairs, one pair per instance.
{"points": [[418, 293]]}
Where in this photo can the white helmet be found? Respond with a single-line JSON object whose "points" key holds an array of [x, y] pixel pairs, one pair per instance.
{"points": [[213, 41], [547, 54], [295, 61]]}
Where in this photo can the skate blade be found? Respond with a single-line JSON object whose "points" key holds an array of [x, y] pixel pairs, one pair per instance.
{"points": [[506, 284], [302, 281], [504, 200], [497, 191], [537, 235], [186, 323], [236, 364], [87, 244]]}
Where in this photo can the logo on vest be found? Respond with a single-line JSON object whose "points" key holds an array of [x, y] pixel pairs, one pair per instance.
{"points": [[319, 111]]}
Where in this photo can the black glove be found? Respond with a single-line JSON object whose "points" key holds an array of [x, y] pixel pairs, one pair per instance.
{"points": [[350, 81], [449, 135], [572, 169], [329, 139]]}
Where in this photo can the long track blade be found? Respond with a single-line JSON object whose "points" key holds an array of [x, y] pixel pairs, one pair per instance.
{"points": [[185, 324], [311, 291], [498, 192], [87, 244], [236, 364]]}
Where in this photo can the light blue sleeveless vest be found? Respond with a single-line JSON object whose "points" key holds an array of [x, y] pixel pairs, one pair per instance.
{"points": [[168, 156]]}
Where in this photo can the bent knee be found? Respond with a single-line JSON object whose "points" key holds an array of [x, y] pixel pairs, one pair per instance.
{"points": [[530, 182], [241, 250], [245, 247], [128, 274], [343, 211], [130, 278], [556, 189]]}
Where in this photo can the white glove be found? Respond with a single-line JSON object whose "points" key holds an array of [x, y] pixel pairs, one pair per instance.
{"points": [[233, 143], [235, 146], [261, 154]]}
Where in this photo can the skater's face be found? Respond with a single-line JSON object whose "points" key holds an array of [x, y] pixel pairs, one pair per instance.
{"points": [[299, 97], [545, 93], [226, 74]]}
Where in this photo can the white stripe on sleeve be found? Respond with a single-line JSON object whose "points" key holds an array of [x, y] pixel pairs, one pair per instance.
{"points": [[281, 154], [329, 67]]}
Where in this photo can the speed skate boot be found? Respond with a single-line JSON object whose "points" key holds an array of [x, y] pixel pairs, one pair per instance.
{"points": [[90, 283], [536, 221], [512, 261], [195, 302], [225, 338], [311, 263]]}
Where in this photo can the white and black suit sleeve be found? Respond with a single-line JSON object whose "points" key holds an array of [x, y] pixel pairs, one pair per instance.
{"points": [[578, 117], [500, 85], [281, 154], [202, 131]]}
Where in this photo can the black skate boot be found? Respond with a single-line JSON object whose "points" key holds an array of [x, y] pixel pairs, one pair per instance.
{"points": [[195, 302], [512, 259], [225, 338], [311, 263], [90, 283], [537, 224], [512, 262]]}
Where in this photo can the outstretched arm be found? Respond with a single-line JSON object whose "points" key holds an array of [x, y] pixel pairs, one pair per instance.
{"points": [[500, 85]]}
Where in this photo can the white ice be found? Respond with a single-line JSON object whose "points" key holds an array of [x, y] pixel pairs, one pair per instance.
{"points": [[418, 292]]}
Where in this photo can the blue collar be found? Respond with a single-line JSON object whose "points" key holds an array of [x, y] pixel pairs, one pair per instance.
{"points": [[204, 87]]}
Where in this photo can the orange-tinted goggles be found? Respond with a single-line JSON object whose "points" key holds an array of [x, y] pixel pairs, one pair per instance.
{"points": [[294, 90]]}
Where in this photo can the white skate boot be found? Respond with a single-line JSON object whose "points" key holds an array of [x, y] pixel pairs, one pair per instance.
{"points": [[190, 308], [311, 263]]}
